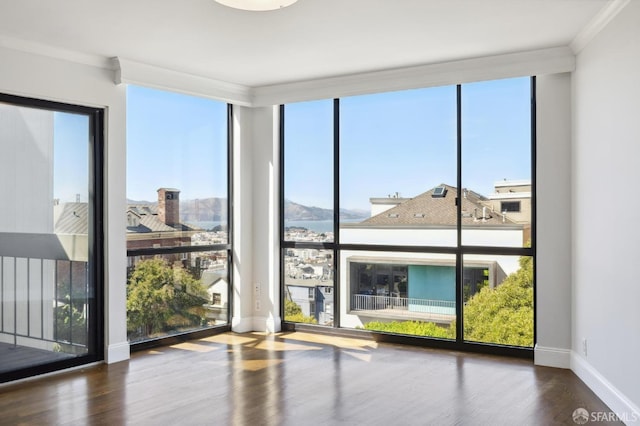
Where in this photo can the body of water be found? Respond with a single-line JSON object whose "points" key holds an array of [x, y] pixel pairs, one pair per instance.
{"points": [[312, 225], [317, 225]]}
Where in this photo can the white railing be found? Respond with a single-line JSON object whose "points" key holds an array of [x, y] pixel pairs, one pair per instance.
{"points": [[364, 302]]}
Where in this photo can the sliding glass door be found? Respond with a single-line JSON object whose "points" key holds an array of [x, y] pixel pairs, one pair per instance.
{"points": [[50, 248]]}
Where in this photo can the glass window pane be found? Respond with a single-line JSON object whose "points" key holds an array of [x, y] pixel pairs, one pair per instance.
{"points": [[176, 293], [308, 281], [496, 163], [498, 293], [45, 289], [398, 168], [176, 169], [399, 293], [308, 171], [177, 188]]}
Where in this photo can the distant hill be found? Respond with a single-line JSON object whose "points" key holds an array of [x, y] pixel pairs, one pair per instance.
{"points": [[295, 211], [140, 202], [215, 209]]}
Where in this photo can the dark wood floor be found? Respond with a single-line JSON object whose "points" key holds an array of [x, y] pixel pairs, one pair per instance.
{"points": [[15, 357], [300, 379]]}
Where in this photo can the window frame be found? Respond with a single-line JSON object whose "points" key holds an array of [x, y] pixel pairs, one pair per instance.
{"points": [[184, 250], [96, 240], [459, 250]]}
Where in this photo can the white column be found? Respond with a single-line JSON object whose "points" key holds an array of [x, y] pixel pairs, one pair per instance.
{"points": [[553, 221], [256, 243]]}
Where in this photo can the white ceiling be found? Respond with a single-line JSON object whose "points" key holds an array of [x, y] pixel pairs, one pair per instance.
{"points": [[308, 40]]}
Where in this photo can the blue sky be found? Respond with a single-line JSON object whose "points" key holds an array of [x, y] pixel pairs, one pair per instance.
{"points": [[401, 142], [405, 142], [71, 156], [175, 141]]}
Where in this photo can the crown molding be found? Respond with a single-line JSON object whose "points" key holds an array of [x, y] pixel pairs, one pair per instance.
{"points": [[132, 72], [597, 24], [56, 52], [128, 71], [536, 62]]}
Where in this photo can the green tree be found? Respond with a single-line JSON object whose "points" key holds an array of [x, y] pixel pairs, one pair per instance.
{"points": [[161, 298], [293, 313], [416, 328], [503, 315], [71, 325]]}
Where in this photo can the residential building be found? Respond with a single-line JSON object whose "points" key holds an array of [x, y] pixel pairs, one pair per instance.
{"points": [[513, 199]]}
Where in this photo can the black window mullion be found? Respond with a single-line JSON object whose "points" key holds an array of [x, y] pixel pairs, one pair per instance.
{"points": [[230, 204], [459, 260], [336, 213], [283, 246], [533, 244]]}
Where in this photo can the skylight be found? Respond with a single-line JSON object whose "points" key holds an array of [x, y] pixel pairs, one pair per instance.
{"points": [[439, 192]]}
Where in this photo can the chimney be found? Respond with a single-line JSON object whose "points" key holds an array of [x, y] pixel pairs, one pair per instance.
{"points": [[169, 206]]}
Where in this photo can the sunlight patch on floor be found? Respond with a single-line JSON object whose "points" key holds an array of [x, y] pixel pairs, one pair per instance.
{"points": [[271, 345], [229, 339], [194, 347], [340, 342]]}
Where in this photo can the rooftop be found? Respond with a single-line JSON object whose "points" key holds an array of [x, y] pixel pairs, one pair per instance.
{"points": [[438, 207]]}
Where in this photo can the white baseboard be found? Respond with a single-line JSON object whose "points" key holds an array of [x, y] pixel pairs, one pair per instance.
{"points": [[242, 325], [552, 357], [626, 410], [261, 324], [266, 324], [117, 352], [273, 325]]}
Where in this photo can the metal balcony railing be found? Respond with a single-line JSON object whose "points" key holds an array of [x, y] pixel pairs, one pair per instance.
{"points": [[365, 302], [44, 303]]}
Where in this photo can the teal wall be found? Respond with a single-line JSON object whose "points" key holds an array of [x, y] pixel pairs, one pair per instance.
{"points": [[432, 282]]}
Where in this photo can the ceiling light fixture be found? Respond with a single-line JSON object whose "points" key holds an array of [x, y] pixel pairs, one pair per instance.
{"points": [[257, 5]]}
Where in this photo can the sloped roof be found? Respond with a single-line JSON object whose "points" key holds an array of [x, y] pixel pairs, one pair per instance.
{"points": [[149, 221], [71, 218], [427, 210]]}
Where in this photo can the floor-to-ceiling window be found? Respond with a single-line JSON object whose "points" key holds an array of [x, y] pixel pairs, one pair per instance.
{"points": [[178, 216], [410, 213], [50, 244]]}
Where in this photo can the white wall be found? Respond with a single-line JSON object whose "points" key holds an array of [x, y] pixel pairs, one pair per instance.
{"points": [[29, 133], [241, 320], [256, 240], [606, 152], [553, 219], [46, 78]]}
